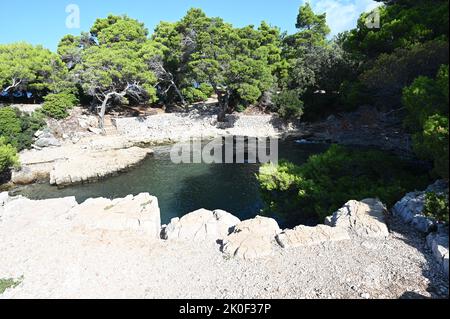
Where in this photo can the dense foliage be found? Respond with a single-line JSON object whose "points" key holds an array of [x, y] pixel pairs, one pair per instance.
{"points": [[8, 155], [428, 109], [58, 105], [436, 206], [383, 67], [412, 40], [289, 105], [17, 128], [327, 181], [198, 94], [24, 67]]}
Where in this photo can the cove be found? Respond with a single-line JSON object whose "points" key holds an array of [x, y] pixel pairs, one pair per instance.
{"points": [[183, 188]]}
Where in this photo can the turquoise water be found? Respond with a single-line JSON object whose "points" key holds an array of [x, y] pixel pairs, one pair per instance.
{"points": [[183, 188]]}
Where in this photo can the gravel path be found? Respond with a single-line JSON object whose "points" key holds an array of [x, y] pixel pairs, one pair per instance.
{"points": [[57, 261]]}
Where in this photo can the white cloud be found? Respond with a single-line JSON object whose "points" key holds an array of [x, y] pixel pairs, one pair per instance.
{"points": [[343, 15]]}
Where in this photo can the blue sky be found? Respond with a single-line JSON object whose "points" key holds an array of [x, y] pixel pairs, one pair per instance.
{"points": [[44, 21]]}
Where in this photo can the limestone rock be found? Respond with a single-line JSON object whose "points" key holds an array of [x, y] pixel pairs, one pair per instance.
{"points": [[201, 225], [46, 140], [423, 223], [133, 213], [95, 130], [253, 238], [410, 207], [26, 175], [87, 121], [95, 165], [39, 211], [38, 133], [364, 219], [438, 243], [310, 236]]}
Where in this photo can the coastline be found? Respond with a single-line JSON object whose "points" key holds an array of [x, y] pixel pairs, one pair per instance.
{"points": [[91, 157]]}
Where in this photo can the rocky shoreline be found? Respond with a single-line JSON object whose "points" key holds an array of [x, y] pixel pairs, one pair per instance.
{"points": [[361, 251], [80, 154], [365, 127], [179, 127], [83, 155], [99, 227], [89, 160]]}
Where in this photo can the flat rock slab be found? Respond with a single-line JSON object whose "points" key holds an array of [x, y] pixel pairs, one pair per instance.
{"points": [[309, 236], [133, 213], [34, 211], [253, 238], [89, 160], [201, 225], [364, 219], [95, 165]]}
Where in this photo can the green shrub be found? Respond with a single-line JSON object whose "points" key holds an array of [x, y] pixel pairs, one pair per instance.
{"points": [[390, 73], [248, 94], [206, 89], [427, 103], [327, 181], [18, 128], [432, 143], [9, 283], [288, 105], [194, 95], [353, 95], [8, 155], [436, 206], [57, 105], [240, 108], [424, 98]]}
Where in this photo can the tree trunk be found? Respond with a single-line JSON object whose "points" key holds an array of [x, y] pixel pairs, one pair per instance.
{"points": [[183, 101], [101, 123], [223, 104], [105, 104]]}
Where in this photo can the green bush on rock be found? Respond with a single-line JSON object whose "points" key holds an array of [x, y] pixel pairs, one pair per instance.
{"points": [[436, 206], [57, 105], [327, 181]]}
